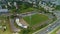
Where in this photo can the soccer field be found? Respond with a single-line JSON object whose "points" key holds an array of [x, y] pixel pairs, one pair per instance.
{"points": [[35, 19]]}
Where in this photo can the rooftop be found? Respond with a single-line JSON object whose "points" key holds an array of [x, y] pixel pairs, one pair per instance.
{"points": [[3, 10]]}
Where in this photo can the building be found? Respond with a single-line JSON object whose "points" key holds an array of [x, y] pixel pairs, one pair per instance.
{"points": [[20, 24], [3, 10], [57, 2], [0, 7]]}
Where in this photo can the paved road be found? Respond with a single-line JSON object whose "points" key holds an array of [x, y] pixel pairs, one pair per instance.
{"points": [[52, 26], [27, 14], [13, 27], [32, 13]]}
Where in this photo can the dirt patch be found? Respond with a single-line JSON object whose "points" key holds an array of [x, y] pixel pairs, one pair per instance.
{"points": [[22, 21]]}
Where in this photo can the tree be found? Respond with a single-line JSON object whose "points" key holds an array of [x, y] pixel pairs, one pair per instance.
{"points": [[25, 31]]}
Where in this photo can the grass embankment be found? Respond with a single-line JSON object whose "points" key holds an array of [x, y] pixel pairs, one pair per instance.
{"points": [[4, 22], [55, 31]]}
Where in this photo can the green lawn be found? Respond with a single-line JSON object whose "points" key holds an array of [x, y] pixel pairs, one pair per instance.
{"points": [[35, 19], [54, 32], [27, 10], [4, 21], [23, 10]]}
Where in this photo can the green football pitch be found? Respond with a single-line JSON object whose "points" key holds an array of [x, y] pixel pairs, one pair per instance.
{"points": [[35, 19]]}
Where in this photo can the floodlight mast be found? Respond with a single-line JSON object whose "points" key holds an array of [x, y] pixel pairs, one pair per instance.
{"points": [[30, 19]]}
